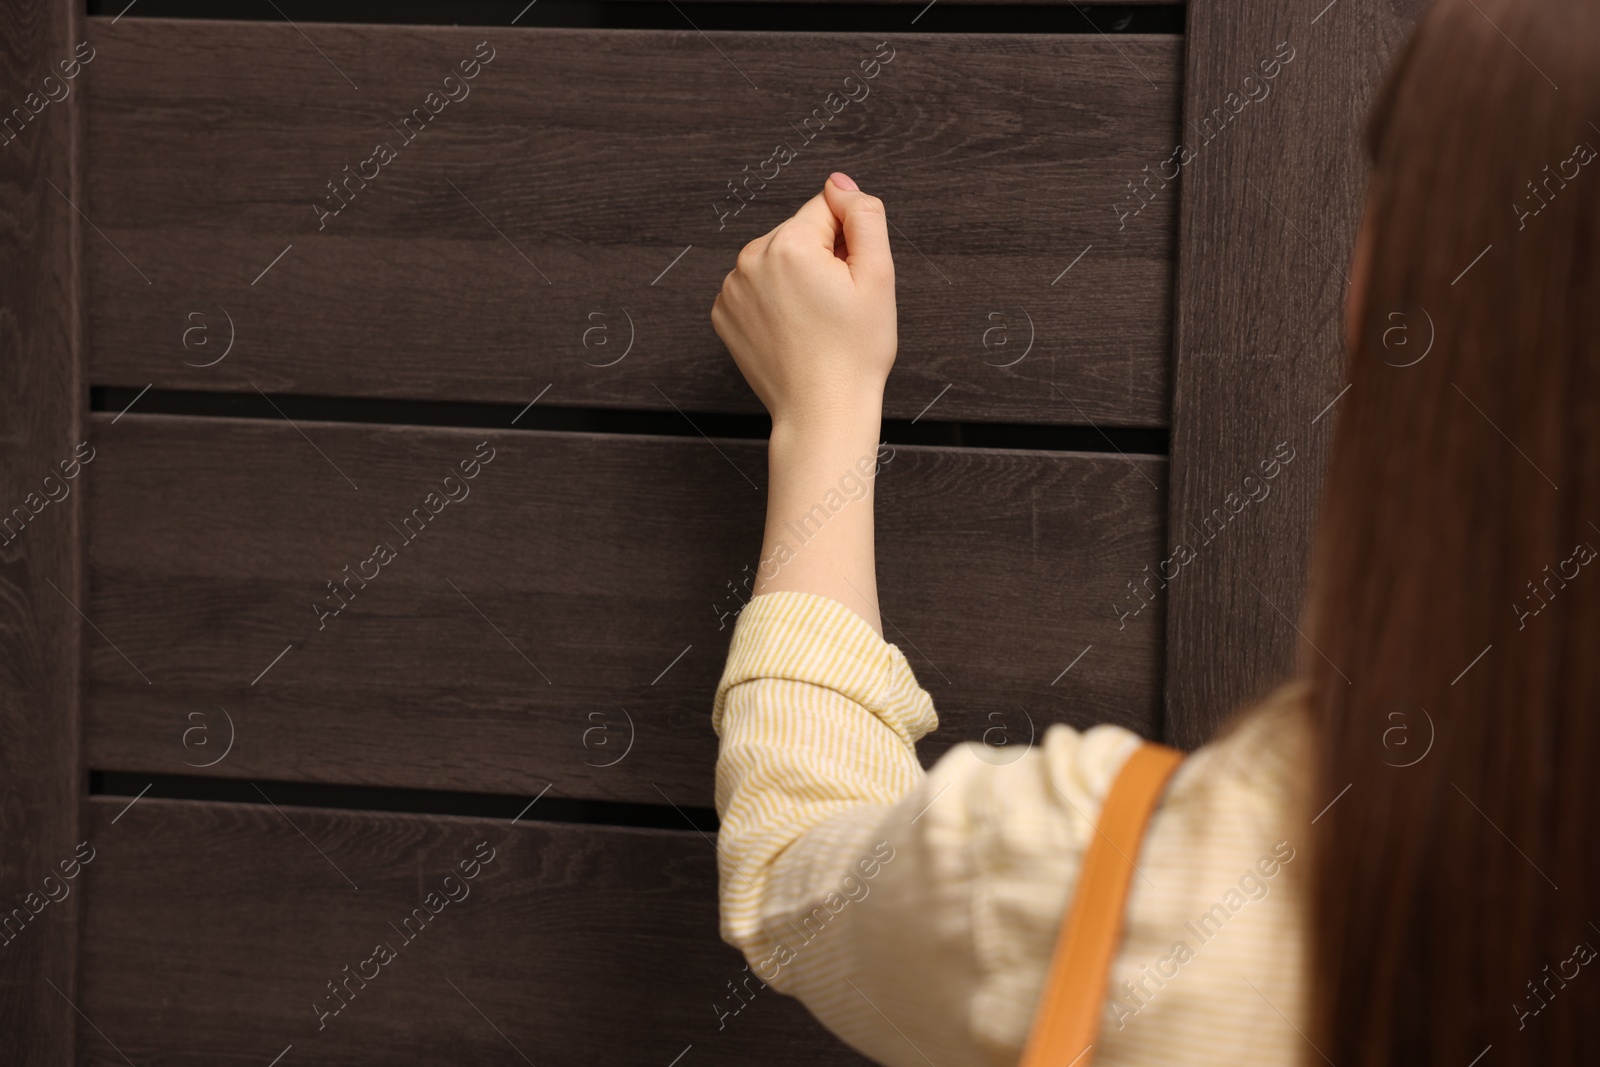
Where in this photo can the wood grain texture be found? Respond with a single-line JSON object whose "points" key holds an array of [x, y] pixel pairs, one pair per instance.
{"points": [[41, 551], [545, 213], [1270, 209], [213, 930], [585, 584]]}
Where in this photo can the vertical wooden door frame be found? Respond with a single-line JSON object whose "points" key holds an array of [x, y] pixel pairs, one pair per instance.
{"points": [[42, 399], [1271, 198]]}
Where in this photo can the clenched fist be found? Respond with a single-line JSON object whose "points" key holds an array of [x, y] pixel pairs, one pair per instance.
{"points": [[808, 312]]}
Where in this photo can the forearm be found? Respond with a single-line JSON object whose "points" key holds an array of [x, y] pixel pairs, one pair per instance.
{"points": [[819, 531]]}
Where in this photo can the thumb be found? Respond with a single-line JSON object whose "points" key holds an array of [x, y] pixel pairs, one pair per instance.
{"points": [[866, 228]]}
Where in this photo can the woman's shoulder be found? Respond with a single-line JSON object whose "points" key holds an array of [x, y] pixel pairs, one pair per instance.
{"points": [[1210, 968], [1262, 753], [1245, 792]]}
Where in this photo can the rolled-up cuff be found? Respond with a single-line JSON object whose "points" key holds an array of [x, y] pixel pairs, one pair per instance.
{"points": [[804, 637]]}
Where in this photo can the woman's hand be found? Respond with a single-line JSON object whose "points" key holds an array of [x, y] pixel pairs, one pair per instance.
{"points": [[809, 317], [808, 313]]}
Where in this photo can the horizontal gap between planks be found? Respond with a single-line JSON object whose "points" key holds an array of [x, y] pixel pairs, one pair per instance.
{"points": [[1031, 16], [544, 416], [385, 800]]}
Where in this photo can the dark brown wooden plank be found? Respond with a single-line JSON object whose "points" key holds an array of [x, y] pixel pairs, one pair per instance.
{"points": [[540, 214], [579, 588], [41, 553], [1271, 206], [213, 930]]}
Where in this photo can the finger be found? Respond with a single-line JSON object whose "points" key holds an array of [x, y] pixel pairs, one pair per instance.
{"points": [[865, 227], [816, 223]]}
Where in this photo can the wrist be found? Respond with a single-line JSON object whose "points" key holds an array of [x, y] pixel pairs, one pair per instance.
{"points": [[839, 429]]}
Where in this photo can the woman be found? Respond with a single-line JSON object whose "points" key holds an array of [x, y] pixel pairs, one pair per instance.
{"points": [[1309, 889]]}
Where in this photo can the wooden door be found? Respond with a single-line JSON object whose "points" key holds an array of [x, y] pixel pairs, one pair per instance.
{"points": [[412, 497]]}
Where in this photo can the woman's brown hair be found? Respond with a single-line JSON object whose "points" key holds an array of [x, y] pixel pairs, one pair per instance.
{"points": [[1454, 596]]}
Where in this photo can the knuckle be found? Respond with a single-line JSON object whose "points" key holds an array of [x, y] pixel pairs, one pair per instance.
{"points": [[786, 245]]}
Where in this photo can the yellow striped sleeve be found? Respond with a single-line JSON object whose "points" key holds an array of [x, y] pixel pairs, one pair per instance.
{"points": [[802, 637], [818, 718]]}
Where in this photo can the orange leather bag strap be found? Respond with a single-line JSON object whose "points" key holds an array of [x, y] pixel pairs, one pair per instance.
{"points": [[1068, 1019]]}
